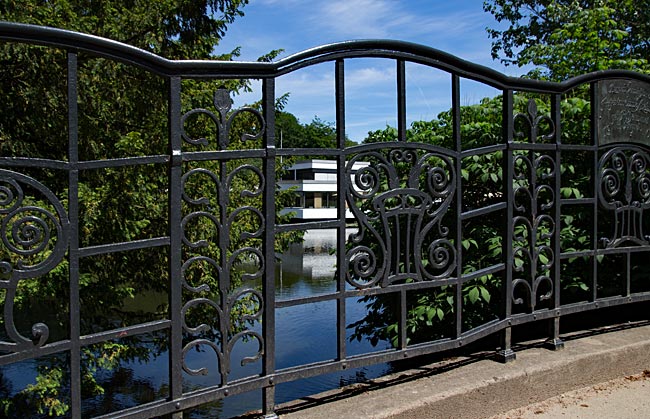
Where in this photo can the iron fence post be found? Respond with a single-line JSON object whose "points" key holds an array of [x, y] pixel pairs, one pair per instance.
{"points": [[505, 353], [554, 342], [175, 248], [73, 214], [268, 323]]}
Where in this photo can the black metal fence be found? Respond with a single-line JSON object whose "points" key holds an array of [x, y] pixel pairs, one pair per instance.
{"points": [[410, 201]]}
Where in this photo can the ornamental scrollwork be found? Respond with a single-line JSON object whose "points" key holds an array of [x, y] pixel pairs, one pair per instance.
{"points": [[532, 121], [624, 189], [533, 228], [221, 232], [222, 120], [533, 224], [399, 198], [34, 231]]}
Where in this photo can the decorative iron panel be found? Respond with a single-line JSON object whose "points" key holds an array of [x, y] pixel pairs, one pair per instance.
{"points": [[399, 199], [406, 199]]}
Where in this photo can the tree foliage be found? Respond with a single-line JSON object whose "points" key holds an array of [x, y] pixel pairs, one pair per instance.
{"points": [[315, 134], [430, 314], [565, 38], [122, 113]]}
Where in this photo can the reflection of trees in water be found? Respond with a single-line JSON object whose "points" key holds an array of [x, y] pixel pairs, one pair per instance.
{"points": [[125, 387]]}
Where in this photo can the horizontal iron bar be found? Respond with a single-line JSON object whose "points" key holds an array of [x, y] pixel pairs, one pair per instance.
{"points": [[482, 272], [48, 349], [214, 69], [84, 165], [126, 161], [353, 293], [127, 331], [34, 162], [308, 152], [362, 148], [577, 147], [282, 228], [603, 252], [482, 150], [223, 155], [577, 254], [122, 247], [577, 201], [499, 206], [533, 146]]}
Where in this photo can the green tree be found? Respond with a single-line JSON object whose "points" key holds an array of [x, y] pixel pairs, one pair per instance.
{"points": [[430, 313], [122, 112], [315, 134], [565, 38]]}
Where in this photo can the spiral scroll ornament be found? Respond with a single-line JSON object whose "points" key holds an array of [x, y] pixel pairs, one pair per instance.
{"points": [[223, 120], [533, 225], [34, 231], [399, 198], [220, 307], [624, 190], [532, 120]]}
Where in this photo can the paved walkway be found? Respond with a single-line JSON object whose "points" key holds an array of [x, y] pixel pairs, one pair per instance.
{"points": [[597, 375], [622, 398]]}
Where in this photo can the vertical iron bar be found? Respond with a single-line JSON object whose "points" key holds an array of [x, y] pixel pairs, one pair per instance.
{"points": [[506, 354], [554, 342], [341, 182], [455, 109], [73, 214], [628, 282], [401, 100], [268, 247], [401, 136], [402, 320], [595, 180], [175, 247], [223, 241]]}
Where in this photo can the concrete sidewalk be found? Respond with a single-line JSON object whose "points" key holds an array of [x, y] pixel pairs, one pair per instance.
{"points": [[474, 388], [622, 398]]}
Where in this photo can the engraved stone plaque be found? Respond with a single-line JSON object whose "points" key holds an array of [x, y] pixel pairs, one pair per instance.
{"points": [[624, 111]]}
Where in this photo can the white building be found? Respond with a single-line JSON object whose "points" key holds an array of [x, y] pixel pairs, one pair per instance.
{"points": [[314, 182]]}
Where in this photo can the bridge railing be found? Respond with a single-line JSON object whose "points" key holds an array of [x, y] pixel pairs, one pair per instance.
{"points": [[547, 225]]}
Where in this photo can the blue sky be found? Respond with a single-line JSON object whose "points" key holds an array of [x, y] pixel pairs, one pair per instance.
{"points": [[456, 27]]}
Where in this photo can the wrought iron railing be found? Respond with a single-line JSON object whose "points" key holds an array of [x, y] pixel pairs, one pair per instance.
{"points": [[408, 204]]}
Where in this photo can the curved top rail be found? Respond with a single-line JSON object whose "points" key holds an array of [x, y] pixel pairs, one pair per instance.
{"points": [[241, 69]]}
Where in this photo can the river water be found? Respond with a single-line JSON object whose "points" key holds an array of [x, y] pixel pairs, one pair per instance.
{"points": [[304, 334], [307, 333]]}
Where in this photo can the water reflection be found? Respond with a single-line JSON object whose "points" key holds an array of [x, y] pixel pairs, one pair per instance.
{"points": [[304, 333], [308, 268]]}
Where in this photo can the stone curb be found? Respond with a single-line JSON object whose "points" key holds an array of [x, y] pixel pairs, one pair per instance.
{"points": [[480, 388]]}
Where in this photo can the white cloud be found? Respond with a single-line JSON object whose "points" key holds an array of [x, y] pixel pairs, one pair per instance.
{"points": [[370, 76], [388, 19]]}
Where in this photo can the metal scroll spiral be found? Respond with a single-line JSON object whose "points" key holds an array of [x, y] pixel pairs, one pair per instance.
{"points": [[624, 189], [208, 273], [34, 241], [399, 198], [533, 225], [223, 120]]}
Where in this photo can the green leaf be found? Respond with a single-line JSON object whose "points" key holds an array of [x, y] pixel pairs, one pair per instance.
{"points": [[473, 295], [485, 294], [441, 314]]}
